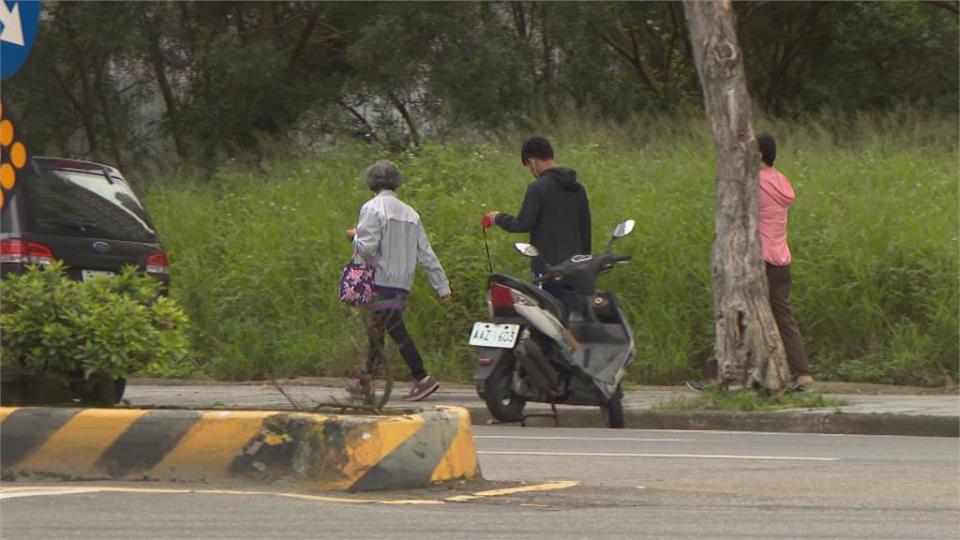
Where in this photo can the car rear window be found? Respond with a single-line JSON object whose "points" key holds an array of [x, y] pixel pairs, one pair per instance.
{"points": [[88, 204]]}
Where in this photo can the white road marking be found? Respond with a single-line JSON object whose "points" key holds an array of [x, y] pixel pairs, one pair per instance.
{"points": [[552, 486], [768, 433], [632, 439], [11, 492], [690, 456], [16, 493]]}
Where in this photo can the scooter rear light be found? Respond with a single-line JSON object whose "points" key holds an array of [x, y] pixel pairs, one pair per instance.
{"points": [[485, 362], [501, 297], [521, 299]]}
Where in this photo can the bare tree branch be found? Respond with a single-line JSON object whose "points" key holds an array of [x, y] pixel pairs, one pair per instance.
{"points": [[302, 42], [637, 66], [297, 406], [407, 118]]}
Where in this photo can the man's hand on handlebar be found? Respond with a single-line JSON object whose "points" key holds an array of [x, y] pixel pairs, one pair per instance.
{"points": [[543, 278]]}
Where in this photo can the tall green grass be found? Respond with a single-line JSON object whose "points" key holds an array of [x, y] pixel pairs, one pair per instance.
{"points": [[257, 251]]}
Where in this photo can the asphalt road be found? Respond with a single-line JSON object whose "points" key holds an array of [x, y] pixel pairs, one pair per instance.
{"points": [[633, 484]]}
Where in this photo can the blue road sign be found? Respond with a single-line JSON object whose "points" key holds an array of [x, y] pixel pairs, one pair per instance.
{"points": [[18, 30]]}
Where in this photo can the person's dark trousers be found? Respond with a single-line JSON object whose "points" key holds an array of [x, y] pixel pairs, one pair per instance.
{"points": [[390, 321], [561, 291], [779, 282]]}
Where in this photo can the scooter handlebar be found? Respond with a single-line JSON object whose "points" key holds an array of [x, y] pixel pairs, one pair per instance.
{"points": [[541, 279], [612, 261], [606, 262]]}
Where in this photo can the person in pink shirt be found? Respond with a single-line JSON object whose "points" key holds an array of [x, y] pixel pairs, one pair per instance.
{"points": [[776, 196]]}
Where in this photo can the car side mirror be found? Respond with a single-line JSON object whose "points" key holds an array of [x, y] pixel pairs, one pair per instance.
{"points": [[527, 249]]}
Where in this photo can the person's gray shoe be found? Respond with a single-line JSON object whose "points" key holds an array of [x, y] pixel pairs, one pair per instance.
{"points": [[419, 390], [699, 386]]}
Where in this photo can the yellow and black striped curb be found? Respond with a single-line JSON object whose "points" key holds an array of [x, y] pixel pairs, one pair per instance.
{"points": [[335, 452]]}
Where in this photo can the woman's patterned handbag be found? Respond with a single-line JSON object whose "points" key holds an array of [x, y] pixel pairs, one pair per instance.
{"points": [[356, 285]]}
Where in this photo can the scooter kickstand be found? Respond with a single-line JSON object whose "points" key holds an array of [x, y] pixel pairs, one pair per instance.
{"points": [[556, 416]]}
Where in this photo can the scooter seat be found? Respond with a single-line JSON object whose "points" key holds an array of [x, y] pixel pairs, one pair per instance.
{"points": [[545, 299]]}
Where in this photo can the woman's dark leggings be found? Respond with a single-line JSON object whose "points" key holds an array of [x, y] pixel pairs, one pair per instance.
{"points": [[390, 321]]}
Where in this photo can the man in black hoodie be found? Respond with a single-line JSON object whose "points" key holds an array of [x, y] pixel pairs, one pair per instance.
{"points": [[555, 210]]}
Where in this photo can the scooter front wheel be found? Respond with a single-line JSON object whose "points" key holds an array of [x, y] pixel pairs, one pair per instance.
{"points": [[504, 405]]}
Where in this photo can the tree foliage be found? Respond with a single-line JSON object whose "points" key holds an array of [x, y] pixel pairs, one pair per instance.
{"points": [[124, 81]]}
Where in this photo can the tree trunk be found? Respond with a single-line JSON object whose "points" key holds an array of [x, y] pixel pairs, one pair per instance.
{"points": [[86, 103], [748, 348], [105, 110], [302, 42], [407, 118], [268, 20], [166, 90]]}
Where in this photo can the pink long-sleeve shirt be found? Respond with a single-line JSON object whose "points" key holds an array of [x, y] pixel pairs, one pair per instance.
{"points": [[776, 196]]}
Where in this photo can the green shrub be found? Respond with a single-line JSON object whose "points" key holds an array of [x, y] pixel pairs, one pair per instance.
{"points": [[108, 327]]}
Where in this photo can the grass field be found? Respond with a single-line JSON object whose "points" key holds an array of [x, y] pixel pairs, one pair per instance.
{"points": [[257, 251]]}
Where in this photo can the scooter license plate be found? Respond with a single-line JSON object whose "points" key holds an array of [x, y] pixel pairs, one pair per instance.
{"points": [[501, 336]]}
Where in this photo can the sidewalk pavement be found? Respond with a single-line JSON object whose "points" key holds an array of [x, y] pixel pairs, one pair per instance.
{"points": [[892, 412]]}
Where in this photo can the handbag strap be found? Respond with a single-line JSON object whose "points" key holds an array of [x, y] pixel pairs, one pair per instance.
{"points": [[357, 259]]}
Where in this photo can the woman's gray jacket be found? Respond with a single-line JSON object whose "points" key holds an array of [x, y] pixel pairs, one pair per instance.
{"points": [[391, 236]]}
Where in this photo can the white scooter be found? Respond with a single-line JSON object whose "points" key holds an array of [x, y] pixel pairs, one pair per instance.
{"points": [[534, 349]]}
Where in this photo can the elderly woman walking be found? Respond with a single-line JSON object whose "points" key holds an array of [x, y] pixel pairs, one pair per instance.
{"points": [[391, 238]]}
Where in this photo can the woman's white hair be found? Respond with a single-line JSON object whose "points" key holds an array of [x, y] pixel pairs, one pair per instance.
{"points": [[383, 174]]}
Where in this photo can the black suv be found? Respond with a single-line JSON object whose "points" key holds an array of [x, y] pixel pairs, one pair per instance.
{"points": [[82, 213]]}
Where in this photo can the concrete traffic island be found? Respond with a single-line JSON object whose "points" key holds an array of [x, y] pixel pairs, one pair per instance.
{"points": [[407, 449]]}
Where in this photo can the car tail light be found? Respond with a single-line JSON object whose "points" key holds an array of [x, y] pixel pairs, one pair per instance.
{"points": [[14, 250], [157, 263]]}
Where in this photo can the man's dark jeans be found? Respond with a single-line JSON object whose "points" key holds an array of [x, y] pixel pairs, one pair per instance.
{"points": [[562, 292], [779, 282]]}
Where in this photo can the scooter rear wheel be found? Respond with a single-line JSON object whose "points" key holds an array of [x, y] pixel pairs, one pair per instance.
{"points": [[613, 411], [504, 405]]}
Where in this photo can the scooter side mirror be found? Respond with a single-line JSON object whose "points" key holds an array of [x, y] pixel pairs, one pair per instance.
{"points": [[624, 228], [527, 249]]}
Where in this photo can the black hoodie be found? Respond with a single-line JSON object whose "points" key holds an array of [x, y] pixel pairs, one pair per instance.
{"points": [[556, 213]]}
